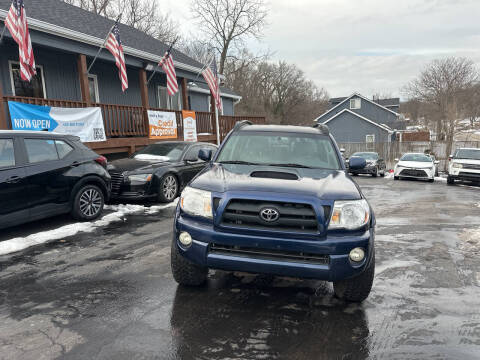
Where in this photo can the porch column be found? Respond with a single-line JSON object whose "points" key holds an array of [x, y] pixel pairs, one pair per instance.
{"points": [[185, 95], [83, 78], [144, 95], [3, 111]]}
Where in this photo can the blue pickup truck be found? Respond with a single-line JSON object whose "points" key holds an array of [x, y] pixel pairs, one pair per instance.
{"points": [[276, 200]]}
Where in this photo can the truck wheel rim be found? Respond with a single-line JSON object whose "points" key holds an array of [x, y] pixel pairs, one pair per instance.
{"points": [[170, 187], [90, 202]]}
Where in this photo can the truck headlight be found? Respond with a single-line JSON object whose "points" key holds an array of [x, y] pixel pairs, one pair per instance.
{"points": [[350, 214], [457, 165], [139, 178], [196, 202]]}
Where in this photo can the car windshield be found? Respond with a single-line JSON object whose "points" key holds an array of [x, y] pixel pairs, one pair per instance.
{"points": [[161, 152], [471, 154], [280, 149], [366, 155], [416, 157]]}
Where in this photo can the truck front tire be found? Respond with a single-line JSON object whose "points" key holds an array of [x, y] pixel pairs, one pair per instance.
{"points": [[185, 272], [358, 288]]}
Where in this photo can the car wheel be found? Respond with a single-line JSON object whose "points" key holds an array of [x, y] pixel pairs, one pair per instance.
{"points": [[396, 178], [375, 174], [88, 203], [168, 188], [382, 174], [450, 180], [431, 180], [185, 272], [358, 288]]}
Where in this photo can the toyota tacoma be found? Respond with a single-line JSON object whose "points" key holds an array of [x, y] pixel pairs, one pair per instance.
{"points": [[276, 200]]}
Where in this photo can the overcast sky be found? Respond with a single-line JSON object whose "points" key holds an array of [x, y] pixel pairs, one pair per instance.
{"points": [[366, 46]]}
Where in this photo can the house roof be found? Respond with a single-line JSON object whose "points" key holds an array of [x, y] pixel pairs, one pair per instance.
{"points": [[94, 27], [388, 102], [360, 96], [381, 126], [202, 87]]}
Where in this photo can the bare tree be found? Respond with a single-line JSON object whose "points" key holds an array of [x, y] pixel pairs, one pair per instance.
{"points": [[227, 23], [443, 84], [140, 14]]}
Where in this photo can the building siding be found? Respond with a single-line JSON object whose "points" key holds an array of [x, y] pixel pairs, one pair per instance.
{"points": [[368, 110], [60, 72], [347, 128], [228, 107]]}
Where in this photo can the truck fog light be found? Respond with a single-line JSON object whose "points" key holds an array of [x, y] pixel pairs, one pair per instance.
{"points": [[185, 239], [357, 254]]}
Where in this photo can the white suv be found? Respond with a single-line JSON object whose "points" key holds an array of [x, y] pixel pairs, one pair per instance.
{"points": [[464, 165]]}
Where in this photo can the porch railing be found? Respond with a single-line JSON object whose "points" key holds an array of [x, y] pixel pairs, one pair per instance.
{"points": [[126, 121]]}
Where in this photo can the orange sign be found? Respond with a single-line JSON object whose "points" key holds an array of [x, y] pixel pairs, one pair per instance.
{"points": [[162, 125], [189, 126]]}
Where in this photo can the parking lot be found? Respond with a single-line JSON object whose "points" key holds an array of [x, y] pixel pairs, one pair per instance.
{"points": [[109, 293]]}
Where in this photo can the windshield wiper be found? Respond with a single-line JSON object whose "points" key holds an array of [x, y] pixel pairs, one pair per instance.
{"points": [[291, 165], [238, 162]]}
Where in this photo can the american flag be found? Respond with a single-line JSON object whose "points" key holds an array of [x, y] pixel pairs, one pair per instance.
{"points": [[114, 45], [16, 23], [167, 65], [211, 76]]}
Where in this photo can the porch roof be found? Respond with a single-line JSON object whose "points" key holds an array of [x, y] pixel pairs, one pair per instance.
{"points": [[90, 28]]}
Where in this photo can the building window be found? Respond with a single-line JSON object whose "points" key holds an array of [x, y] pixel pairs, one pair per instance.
{"points": [[355, 103], [370, 140], [93, 87], [166, 101], [33, 88]]}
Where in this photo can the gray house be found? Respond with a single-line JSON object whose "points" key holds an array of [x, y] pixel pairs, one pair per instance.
{"points": [[65, 39], [357, 119]]}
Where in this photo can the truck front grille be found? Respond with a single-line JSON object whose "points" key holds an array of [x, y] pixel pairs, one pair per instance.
{"points": [[471, 166], [264, 254], [292, 217]]}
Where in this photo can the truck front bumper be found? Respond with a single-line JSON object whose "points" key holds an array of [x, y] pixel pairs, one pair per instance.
{"points": [[324, 259]]}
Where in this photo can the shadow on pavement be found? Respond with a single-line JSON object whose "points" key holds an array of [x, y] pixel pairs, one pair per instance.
{"points": [[255, 318]]}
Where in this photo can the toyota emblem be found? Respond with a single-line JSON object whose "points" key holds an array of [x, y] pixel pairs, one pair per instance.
{"points": [[269, 215]]}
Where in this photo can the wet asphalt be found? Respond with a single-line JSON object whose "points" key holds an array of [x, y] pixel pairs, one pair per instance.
{"points": [[110, 294]]}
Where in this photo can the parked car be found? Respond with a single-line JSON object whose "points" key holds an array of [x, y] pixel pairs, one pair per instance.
{"points": [[375, 164], [277, 200], [157, 172], [464, 165], [415, 165], [44, 174]]}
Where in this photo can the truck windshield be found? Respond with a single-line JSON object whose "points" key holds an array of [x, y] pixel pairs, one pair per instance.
{"points": [[280, 149], [471, 154]]}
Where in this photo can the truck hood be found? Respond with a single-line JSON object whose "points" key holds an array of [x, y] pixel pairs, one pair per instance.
{"points": [[322, 184], [466, 161]]}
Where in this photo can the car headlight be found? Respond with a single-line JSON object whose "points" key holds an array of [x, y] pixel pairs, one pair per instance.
{"points": [[140, 178], [196, 202], [351, 214], [457, 165]]}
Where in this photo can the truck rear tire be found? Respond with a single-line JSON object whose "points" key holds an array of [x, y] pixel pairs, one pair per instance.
{"points": [[450, 180], [357, 288], [185, 272]]}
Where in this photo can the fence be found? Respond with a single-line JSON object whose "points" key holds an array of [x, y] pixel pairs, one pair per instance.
{"points": [[394, 150], [126, 127]]}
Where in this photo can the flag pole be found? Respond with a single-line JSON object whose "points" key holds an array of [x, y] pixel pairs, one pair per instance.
{"points": [[161, 61], [217, 125], [103, 45]]}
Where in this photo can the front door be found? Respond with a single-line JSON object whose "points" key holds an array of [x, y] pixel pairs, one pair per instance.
{"points": [[13, 185]]}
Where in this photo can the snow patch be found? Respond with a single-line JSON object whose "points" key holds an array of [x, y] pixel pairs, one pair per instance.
{"points": [[119, 213], [394, 264], [439, 178], [150, 157]]}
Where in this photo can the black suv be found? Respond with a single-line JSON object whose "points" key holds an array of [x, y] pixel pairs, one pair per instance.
{"points": [[277, 200], [44, 174]]}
